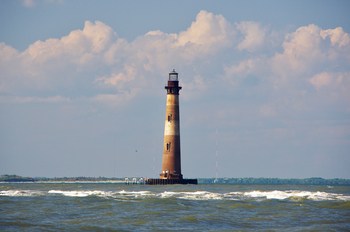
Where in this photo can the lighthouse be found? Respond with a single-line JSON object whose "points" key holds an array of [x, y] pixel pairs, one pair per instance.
{"points": [[171, 162], [171, 159]]}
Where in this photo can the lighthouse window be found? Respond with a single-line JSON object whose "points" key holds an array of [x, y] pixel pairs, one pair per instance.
{"points": [[170, 116], [168, 146]]}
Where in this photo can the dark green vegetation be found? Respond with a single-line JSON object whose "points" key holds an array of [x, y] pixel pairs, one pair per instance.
{"points": [[15, 178], [238, 181]]}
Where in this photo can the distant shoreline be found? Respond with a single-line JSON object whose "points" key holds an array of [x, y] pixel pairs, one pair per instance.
{"points": [[237, 181]]}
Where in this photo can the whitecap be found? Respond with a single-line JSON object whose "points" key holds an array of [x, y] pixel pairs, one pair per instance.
{"points": [[134, 194], [197, 195], [21, 193], [78, 193], [279, 195], [292, 194], [167, 194], [201, 195]]}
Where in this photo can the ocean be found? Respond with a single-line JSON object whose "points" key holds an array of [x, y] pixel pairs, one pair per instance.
{"points": [[105, 206]]}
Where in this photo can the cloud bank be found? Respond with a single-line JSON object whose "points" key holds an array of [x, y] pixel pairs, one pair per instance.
{"points": [[300, 68], [94, 61]]}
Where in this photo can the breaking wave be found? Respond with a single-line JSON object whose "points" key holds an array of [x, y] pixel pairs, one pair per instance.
{"points": [[194, 195], [258, 195], [21, 193], [78, 193]]}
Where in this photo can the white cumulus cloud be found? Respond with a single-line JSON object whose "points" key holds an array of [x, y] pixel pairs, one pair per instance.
{"points": [[320, 80], [337, 36], [253, 36], [79, 46], [310, 56], [302, 49], [207, 33], [333, 84]]}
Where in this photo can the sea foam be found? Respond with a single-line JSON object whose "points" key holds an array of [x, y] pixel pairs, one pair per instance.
{"points": [[293, 194], [190, 195], [78, 193], [21, 193]]}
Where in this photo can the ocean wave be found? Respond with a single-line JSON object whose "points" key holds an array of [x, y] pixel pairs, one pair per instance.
{"points": [[190, 195], [197, 195], [78, 193], [106, 194], [205, 195], [292, 194], [22, 193]]}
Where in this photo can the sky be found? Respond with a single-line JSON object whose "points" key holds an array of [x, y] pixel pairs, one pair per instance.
{"points": [[265, 87]]}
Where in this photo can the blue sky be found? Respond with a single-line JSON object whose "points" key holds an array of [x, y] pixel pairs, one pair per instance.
{"points": [[265, 87]]}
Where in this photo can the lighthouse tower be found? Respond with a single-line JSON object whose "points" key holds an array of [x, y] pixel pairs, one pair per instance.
{"points": [[171, 164]]}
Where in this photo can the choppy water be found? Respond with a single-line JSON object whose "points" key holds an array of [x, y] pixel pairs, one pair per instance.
{"points": [[119, 207]]}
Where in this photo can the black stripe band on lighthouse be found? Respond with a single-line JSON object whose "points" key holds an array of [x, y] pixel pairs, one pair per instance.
{"points": [[171, 159]]}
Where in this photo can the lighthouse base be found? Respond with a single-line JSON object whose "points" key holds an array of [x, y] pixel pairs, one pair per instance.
{"points": [[170, 181]]}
